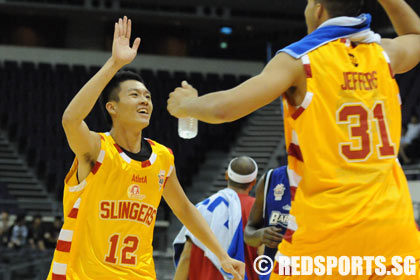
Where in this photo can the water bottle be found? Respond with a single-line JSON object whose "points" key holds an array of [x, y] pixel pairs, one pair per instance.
{"points": [[187, 127]]}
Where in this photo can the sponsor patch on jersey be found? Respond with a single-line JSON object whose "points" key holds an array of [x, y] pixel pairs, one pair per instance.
{"points": [[139, 179], [161, 177], [279, 192], [134, 192]]}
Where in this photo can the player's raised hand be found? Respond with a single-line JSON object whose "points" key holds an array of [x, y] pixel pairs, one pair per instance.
{"points": [[234, 267], [179, 97], [122, 53]]}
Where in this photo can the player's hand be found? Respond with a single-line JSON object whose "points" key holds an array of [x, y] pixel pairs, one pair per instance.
{"points": [[234, 267], [179, 97], [271, 236], [122, 53]]}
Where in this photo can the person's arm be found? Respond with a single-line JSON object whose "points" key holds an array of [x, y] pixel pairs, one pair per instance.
{"points": [[85, 143], [404, 51], [254, 234], [281, 73], [183, 267], [189, 215]]}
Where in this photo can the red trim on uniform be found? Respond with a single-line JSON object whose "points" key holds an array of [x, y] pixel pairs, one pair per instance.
{"points": [[294, 151], [343, 40], [150, 142], [164, 183], [298, 112], [63, 246], [58, 277], [73, 213], [276, 267], [292, 192], [102, 137], [145, 163], [118, 148], [390, 70], [170, 150], [308, 70], [96, 167], [288, 235], [418, 228]]}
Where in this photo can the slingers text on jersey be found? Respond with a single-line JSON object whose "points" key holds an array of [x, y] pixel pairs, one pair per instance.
{"points": [[127, 210]]}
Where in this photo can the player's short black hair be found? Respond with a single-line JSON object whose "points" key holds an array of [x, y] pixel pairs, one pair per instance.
{"points": [[110, 92], [337, 8]]}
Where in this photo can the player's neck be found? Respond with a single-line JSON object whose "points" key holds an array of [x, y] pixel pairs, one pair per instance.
{"points": [[238, 190], [127, 139]]}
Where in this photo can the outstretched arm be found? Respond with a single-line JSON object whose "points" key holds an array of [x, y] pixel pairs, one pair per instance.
{"points": [[255, 234], [281, 73], [404, 51], [84, 143], [197, 225]]}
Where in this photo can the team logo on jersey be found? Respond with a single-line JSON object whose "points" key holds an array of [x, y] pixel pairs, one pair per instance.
{"points": [[161, 177], [279, 192], [278, 218], [286, 207], [134, 192]]}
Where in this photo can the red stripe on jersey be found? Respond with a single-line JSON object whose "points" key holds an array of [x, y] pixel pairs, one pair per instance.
{"points": [[308, 70], [343, 40], [73, 213], [164, 184], [63, 246], [102, 137], [170, 150], [145, 163], [298, 112], [96, 167], [390, 70], [118, 148], [294, 151], [150, 142], [58, 277], [292, 192], [288, 235]]}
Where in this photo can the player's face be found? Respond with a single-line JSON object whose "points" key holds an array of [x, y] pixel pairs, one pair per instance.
{"points": [[135, 105]]}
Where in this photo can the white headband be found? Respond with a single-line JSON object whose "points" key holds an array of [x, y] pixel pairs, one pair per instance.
{"points": [[242, 179]]}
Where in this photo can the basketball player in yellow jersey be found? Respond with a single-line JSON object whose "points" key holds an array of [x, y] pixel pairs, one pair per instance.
{"points": [[342, 125], [114, 187]]}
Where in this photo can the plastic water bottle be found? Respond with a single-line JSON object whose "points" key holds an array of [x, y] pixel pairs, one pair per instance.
{"points": [[187, 128]]}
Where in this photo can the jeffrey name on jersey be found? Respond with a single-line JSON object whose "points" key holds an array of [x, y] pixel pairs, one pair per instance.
{"points": [[360, 81], [127, 210]]}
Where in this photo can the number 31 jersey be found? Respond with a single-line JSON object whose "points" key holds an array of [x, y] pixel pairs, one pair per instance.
{"points": [[349, 193], [109, 217]]}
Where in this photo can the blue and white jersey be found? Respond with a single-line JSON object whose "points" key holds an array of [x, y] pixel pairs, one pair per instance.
{"points": [[276, 202]]}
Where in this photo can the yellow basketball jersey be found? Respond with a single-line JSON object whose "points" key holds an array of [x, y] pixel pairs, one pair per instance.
{"points": [[109, 217], [350, 196]]}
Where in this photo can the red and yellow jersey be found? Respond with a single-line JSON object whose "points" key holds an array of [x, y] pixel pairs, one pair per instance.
{"points": [[109, 217], [350, 196]]}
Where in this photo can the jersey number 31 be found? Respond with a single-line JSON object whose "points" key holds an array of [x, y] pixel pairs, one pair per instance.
{"points": [[361, 131]]}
